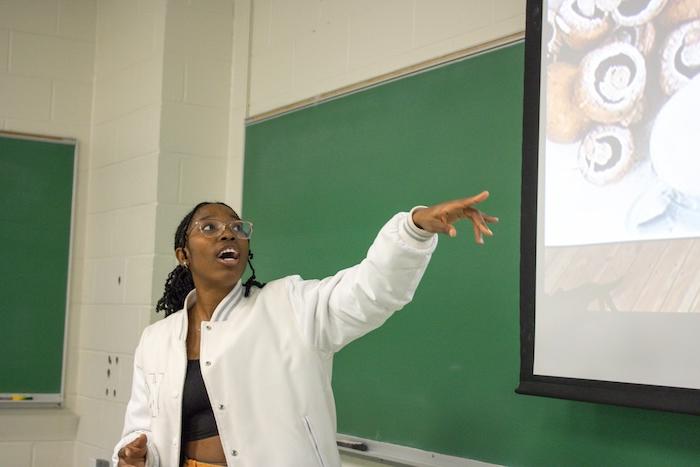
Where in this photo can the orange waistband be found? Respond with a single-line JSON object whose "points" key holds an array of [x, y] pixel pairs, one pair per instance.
{"points": [[196, 463]]}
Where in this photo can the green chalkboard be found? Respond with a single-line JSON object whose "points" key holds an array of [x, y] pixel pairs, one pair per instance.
{"points": [[440, 375], [36, 192]]}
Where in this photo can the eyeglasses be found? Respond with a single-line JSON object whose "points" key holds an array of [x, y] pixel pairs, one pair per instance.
{"points": [[214, 228]]}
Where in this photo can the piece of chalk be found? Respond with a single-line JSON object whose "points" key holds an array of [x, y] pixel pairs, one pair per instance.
{"points": [[356, 445]]}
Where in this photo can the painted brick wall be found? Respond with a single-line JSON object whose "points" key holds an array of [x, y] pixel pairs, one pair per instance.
{"points": [[302, 48], [46, 69], [195, 116], [160, 132], [121, 218]]}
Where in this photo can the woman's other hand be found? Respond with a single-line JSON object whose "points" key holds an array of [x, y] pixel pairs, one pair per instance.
{"points": [[134, 453], [440, 218]]}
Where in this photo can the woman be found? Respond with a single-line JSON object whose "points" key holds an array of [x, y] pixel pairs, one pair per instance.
{"points": [[239, 374]]}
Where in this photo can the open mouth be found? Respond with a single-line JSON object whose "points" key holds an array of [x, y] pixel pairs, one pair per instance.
{"points": [[228, 256]]}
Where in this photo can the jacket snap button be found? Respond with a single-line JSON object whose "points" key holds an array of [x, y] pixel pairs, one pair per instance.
{"points": [[207, 363], [208, 327], [234, 453], [221, 406]]}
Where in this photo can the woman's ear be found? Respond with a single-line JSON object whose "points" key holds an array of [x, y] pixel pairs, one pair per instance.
{"points": [[181, 255]]}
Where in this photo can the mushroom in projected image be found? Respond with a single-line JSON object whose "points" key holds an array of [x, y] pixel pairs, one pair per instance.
{"points": [[606, 154], [680, 11], [636, 12], [581, 22], [611, 83], [680, 59], [565, 120], [642, 37]]}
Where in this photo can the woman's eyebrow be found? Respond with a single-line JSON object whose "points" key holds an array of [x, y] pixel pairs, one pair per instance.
{"points": [[212, 216]]}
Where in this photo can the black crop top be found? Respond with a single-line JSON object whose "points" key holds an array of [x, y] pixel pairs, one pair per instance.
{"points": [[198, 420]]}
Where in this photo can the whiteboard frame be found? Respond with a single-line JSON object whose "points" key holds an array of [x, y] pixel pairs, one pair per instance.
{"points": [[405, 456], [44, 399], [664, 398]]}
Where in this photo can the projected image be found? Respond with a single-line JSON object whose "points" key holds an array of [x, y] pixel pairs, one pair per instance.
{"points": [[622, 136]]}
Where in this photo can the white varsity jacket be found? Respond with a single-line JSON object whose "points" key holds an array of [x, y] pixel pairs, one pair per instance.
{"points": [[266, 359]]}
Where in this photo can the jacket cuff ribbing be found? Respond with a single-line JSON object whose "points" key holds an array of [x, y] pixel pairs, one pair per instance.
{"points": [[414, 235]]}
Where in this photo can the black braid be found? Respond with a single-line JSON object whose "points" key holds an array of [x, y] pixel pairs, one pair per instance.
{"points": [[252, 281], [179, 282]]}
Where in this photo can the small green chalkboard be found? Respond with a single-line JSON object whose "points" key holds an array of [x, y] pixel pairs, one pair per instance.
{"points": [[36, 196]]}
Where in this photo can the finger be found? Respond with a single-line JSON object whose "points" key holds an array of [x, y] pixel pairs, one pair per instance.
{"points": [[445, 226], [484, 230], [477, 234], [482, 225], [139, 442], [451, 231], [490, 219], [483, 196], [135, 453]]}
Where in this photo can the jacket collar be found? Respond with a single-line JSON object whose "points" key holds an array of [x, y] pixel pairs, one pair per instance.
{"points": [[221, 312]]}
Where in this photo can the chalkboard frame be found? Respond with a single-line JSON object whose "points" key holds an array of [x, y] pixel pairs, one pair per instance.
{"points": [[664, 398], [40, 399]]}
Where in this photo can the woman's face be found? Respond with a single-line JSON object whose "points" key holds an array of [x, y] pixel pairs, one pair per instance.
{"points": [[217, 261]]}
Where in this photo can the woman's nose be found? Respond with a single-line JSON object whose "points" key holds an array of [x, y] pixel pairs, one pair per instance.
{"points": [[228, 232]]}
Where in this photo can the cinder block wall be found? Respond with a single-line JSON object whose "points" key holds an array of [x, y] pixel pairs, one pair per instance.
{"points": [[121, 219], [160, 139], [46, 84], [302, 48]]}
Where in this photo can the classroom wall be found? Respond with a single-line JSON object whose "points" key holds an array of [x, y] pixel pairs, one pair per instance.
{"points": [[121, 219], [160, 137], [194, 134], [157, 92], [302, 48], [46, 84]]}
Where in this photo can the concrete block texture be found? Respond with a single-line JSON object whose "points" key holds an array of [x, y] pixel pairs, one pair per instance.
{"points": [[34, 16], [4, 49], [199, 31], [72, 101], [305, 48], [138, 283], [134, 230], [52, 454], [77, 19], [194, 130], [23, 97], [16, 454], [124, 184], [51, 56]]}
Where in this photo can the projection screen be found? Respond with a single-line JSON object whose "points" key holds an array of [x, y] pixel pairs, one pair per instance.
{"points": [[610, 249]]}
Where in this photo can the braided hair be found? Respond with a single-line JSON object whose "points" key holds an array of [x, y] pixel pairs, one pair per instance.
{"points": [[179, 282]]}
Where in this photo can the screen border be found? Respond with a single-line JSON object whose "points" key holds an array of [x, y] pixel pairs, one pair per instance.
{"points": [[665, 398]]}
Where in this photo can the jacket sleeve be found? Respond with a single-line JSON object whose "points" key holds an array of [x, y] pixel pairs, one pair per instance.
{"points": [[137, 419], [336, 310]]}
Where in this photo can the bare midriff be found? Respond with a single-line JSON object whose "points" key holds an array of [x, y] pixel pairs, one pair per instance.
{"points": [[207, 450]]}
